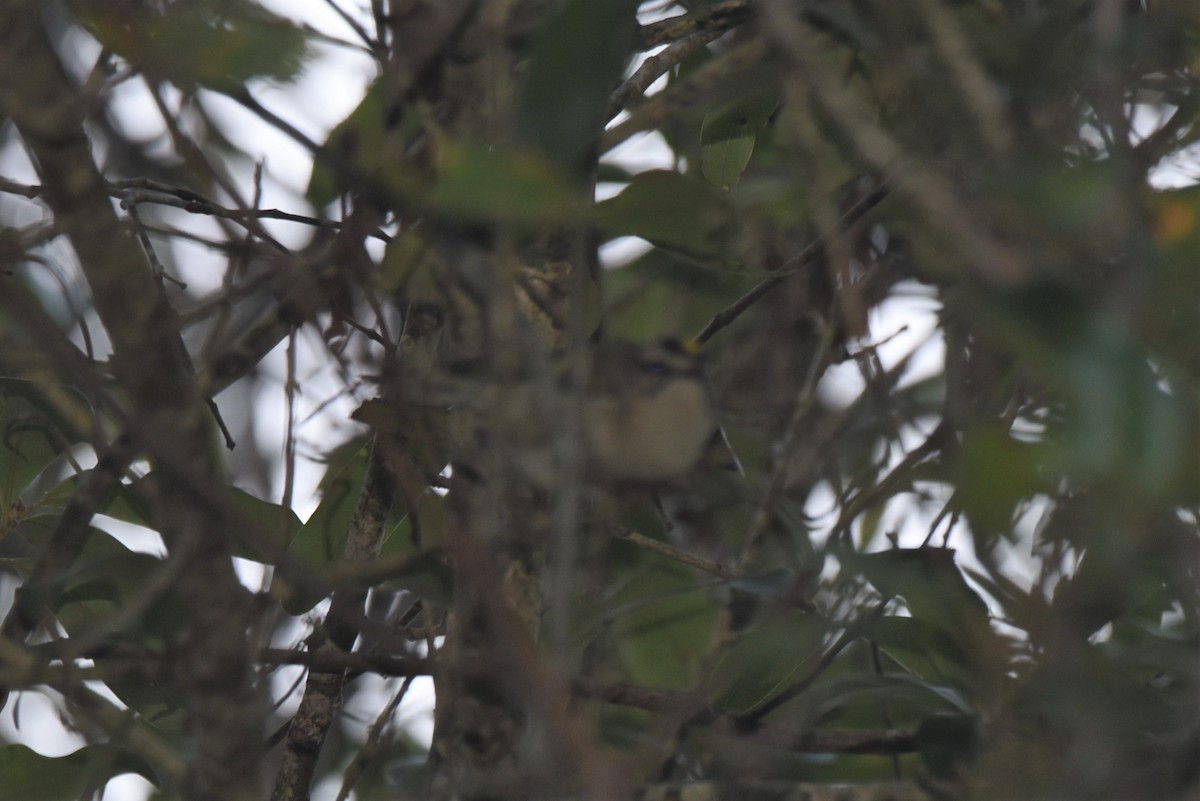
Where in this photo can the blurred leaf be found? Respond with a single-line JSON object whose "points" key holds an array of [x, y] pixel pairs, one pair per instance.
{"points": [[409, 268], [485, 184], [994, 473], [670, 210], [372, 139], [322, 539], [763, 659], [929, 581], [1124, 418], [30, 439], [728, 134], [933, 656], [105, 580], [426, 575], [847, 696], [666, 619], [956, 621], [947, 742], [771, 584], [270, 526], [577, 61], [220, 44], [26, 775]]}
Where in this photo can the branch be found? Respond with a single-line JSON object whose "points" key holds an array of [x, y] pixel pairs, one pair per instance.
{"points": [[808, 255], [150, 363], [710, 21], [20, 668], [932, 193], [335, 638]]}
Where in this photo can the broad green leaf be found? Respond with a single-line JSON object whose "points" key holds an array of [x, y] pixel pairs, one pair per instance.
{"points": [[26, 775], [268, 527], [727, 137], [852, 694], [670, 210], [766, 658], [1124, 419], [577, 62], [666, 619], [928, 653], [994, 473], [105, 579], [322, 539], [369, 140], [954, 618], [426, 575], [927, 578], [486, 184], [220, 44]]}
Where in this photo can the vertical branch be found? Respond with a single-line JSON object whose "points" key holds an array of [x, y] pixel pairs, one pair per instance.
{"points": [[323, 691]]}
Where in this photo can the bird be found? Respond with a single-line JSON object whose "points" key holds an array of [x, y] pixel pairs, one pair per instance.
{"points": [[646, 415]]}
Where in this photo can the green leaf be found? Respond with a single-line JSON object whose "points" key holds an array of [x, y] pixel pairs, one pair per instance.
{"points": [[953, 620], [765, 658], [995, 472], [30, 439], [486, 184], [728, 135], [929, 581], [322, 539], [367, 141], [270, 526], [216, 43], [667, 621], [670, 210], [26, 775], [105, 579], [576, 63], [426, 575], [947, 742]]}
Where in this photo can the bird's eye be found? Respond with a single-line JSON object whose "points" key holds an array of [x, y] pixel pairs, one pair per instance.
{"points": [[656, 368]]}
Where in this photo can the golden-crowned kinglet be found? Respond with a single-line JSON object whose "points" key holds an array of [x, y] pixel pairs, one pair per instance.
{"points": [[648, 413]]}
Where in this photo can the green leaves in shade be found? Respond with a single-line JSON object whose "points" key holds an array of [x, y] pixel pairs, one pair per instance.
{"points": [[322, 540], [30, 439], [26, 775], [929, 581], [994, 473], [577, 61], [1124, 420], [363, 140], [949, 631], [727, 137], [670, 210], [468, 181], [766, 658], [667, 619], [947, 741], [219, 44], [486, 184]]}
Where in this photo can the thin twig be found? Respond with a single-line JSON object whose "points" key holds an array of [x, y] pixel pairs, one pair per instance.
{"points": [[671, 552], [807, 255]]}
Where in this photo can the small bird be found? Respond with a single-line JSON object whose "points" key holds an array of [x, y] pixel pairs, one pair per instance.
{"points": [[647, 415]]}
